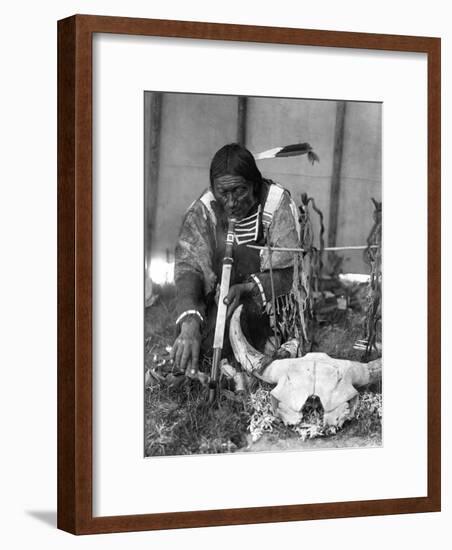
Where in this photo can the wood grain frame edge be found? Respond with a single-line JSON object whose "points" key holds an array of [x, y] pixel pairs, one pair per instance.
{"points": [[66, 400], [434, 273]]}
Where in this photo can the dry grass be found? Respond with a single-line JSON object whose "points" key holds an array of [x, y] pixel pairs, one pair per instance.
{"points": [[180, 421]]}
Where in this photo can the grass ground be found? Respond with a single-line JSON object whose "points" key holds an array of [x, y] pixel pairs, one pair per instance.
{"points": [[178, 419]]}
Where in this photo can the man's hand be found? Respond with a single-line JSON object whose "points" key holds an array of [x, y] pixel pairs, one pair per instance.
{"points": [[185, 352], [234, 296]]}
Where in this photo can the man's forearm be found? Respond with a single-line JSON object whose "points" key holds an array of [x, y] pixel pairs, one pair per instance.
{"points": [[282, 280], [190, 293]]}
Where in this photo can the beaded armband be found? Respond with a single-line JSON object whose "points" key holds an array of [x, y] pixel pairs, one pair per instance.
{"points": [[256, 280]]}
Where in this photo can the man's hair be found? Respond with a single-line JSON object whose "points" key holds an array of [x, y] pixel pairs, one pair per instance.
{"points": [[235, 160]]}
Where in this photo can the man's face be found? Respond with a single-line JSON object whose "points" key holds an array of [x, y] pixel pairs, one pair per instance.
{"points": [[235, 195]]}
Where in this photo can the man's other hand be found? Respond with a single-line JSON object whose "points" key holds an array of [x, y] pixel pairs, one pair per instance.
{"points": [[234, 296]]}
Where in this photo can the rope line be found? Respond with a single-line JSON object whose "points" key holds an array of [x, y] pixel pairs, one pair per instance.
{"points": [[327, 248]]}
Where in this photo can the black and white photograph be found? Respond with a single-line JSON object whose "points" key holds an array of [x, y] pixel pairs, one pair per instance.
{"points": [[263, 275]]}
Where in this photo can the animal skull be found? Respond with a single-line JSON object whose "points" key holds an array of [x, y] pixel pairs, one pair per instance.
{"points": [[334, 381]]}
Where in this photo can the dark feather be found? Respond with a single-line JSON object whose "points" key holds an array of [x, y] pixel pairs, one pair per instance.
{"points": [[294, 150]]}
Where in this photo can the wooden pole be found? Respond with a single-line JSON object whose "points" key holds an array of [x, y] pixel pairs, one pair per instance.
{"points": [[242, 106], [152, 130], [336, 176]]}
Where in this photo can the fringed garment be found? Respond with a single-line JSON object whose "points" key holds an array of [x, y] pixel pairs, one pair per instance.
{"points": [[199, 254]]}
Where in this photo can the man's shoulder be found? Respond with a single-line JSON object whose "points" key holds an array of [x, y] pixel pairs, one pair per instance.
{"points": [[276, 197], [202, 208], [272, 187]]}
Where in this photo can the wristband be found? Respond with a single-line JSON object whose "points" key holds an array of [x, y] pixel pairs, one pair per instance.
{"points": [[189, 312]]}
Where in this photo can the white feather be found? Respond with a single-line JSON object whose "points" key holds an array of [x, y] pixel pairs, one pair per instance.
{"points": [[269, 154]]}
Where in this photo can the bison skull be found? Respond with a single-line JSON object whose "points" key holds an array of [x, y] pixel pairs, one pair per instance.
{"points": [[333, 381]]}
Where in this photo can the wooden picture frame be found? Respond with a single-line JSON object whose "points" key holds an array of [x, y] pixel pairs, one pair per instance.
{"points": [[75, 277]]}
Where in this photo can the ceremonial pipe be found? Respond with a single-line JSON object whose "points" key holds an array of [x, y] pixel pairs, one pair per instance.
{"points": [[220, 324]]}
